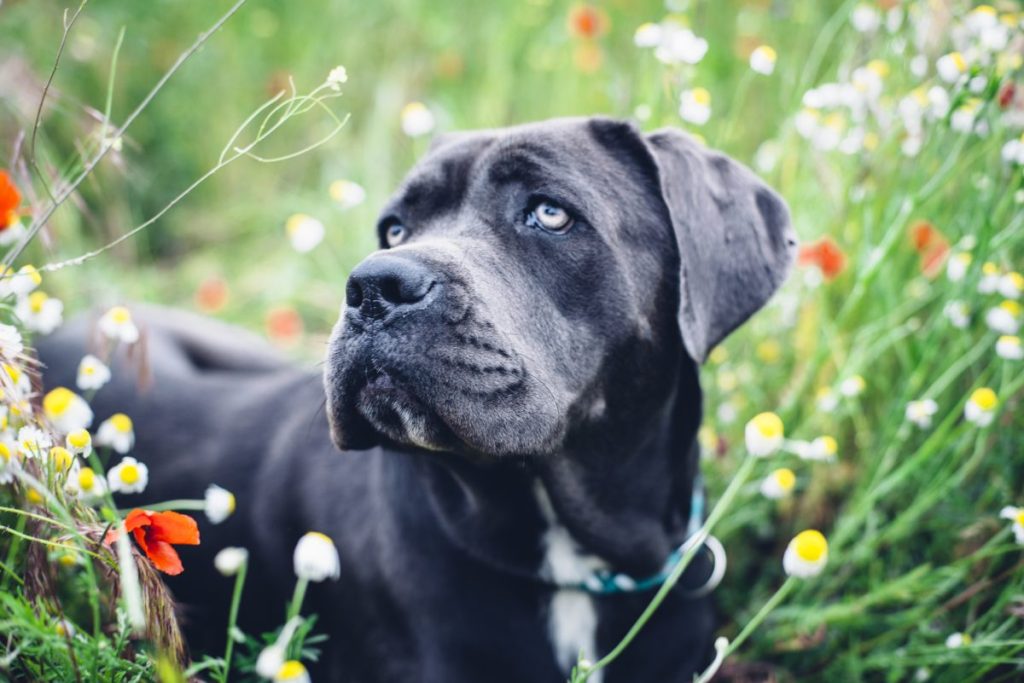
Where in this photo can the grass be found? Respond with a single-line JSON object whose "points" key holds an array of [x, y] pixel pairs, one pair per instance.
{"points": [[917, 548]]}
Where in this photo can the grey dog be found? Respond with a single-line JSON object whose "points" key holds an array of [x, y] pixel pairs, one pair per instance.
{"points": [[512, 401]]}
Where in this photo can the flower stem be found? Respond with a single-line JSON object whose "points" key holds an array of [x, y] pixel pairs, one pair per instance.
{"points": [[723, 504], [236, 599], [297, 597], [770, 605]]}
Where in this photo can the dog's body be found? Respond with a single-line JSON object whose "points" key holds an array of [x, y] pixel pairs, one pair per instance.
{"points": [[519, 381]]}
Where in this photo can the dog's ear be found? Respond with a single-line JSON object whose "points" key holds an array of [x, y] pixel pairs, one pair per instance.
{"points": [[735, 241]]}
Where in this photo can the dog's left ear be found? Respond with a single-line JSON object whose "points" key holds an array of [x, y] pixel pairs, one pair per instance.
{"points": [[735, 241]]}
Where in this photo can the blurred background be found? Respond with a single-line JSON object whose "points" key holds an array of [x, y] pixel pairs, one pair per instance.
{"points": [[473, 65]]}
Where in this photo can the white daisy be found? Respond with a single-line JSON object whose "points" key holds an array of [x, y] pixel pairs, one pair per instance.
{"points": [[128, 476], [220, 503], [66, 410], [762, 60], [229, 560], [981, 407], [117, 432], [957, 313], [92, 373], [1008, 346], [1004, 318], [921, 412], [806, 555], [316, 558], [779, 484], [1016, 516], [11, 344], [33, 442], [695, 106], [117, 324], [951, 67], [764, 434], [852, 386], [39, 312], [304, 232], [416, 119], [347, 193]]}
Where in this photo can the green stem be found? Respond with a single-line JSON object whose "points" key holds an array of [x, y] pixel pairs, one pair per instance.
{"points": [[236, 599], [737, 483], [297, 597], [762, 613]]}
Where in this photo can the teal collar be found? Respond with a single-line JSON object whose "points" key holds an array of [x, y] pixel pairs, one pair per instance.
{"points": [[604, 582]]}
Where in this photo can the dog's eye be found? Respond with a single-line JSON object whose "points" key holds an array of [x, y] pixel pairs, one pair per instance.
{"points": [[551, 217], [395, 234]]}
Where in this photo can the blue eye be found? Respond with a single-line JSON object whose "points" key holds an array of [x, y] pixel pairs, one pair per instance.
{"points": [[551, 217], [395, 234]]}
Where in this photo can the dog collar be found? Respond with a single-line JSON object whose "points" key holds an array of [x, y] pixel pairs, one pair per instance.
{"points": [[604, 582]]}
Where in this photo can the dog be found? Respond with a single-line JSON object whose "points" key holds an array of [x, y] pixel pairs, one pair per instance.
{"points": [[502, 440]]}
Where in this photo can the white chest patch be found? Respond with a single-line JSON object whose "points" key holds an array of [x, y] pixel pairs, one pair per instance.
{"points": [[572, 615]]}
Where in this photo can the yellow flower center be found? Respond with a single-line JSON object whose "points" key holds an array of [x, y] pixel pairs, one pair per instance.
{"points": [[879, 66], [964, 258], [1010, 340], [701, 96], [231, 502], [1016, 279], [120, 315], [295, 223], [985, 398], [785, 478], [79, 438], [121, 422], [61, 458], [828, 444], [989, 268], [68, 559], [767, 52], [768, 425], [36, 301], [1011, 307], [86, 478], [5, 452], [1019, 517], [89, 369], [291, 669], [984, 9], [32, 273], [129, 473], [958, 61], [34, 497], [322, 537], [58, 401], [810, 545], [12, 372]]}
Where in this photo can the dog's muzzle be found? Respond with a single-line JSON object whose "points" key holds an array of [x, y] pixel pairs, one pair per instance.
{"points": [[385, 285]]}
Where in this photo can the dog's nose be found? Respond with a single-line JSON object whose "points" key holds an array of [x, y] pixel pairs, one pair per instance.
{"points": [[383, 283]]}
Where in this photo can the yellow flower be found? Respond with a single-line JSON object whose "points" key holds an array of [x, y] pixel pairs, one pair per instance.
{"points": [[806, 555], [66, 410], [779, 484], [981, 406], [61, 458], [764, 434]]}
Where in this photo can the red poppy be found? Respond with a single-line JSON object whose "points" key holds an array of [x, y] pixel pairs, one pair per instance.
{"points": [[923, 235], [825, 254], [1007, 94], [931, 245], [157, 533], [587, 21], [284, 325], [10, 200], [212, 294]]}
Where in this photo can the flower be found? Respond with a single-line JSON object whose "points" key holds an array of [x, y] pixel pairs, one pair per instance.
{"points": [[336, 77], [24, 281], [61, 458], [117, 432], [212, 294], [316, 558], [865, 18], [957, 265], [806, 555], [823, 448], [647, 35], [957, 313], [292, 671], [1015, 515], [66, 410], [951, 67], [921, 412], [826, 400], [764, 434], [695, 106], [417, 120], [1004, 318], [1011, 285], [675, 44], [11, 345], [778, 484], [220, 503], [852, 386], [92, 373], [88, 486], [7, 463], [284, 325], [825, 254], [128, 476], [981, 406], [347, 193], [79, 442], [762, 60], [117, 324], [1008, 347], [990, 278], [957, 640], [304, 232], [40, 313], [10, 200], [32, 441], [587, 22], [157, 533], [271, 658], [229, 560]]}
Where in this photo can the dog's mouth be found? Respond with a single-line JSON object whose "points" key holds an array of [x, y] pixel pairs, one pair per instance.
{"points": [[396, 413]]}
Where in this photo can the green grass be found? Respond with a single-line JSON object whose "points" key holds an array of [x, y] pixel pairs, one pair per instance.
{"points": [[917, 550]]}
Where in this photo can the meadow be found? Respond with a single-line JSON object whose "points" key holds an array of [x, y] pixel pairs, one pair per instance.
{"points": [[891, 356]]}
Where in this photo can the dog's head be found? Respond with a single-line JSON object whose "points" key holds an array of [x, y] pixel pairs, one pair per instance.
{"points": [[535, 281]]}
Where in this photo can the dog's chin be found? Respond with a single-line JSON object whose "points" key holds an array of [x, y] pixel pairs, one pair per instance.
{"points": [[398, 416]]}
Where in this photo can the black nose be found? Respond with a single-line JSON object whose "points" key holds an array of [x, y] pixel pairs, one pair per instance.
{"points": [[383, 283]]}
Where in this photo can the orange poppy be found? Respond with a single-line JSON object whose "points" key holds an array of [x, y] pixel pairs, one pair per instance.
{"points": [[212, 294], [931, 245], [825, 254], [157, 533], [587, 21], [10, 200], [923, 234], [284, 325]]}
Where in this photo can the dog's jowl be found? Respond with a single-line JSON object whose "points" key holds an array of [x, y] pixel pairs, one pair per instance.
{"points": [[506, 456]]}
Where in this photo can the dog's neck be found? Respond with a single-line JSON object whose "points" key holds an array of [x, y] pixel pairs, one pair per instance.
{"points": [[624, 498]]}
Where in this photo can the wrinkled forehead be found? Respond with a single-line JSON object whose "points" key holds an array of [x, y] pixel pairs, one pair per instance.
{"points": [[565, 159]]}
